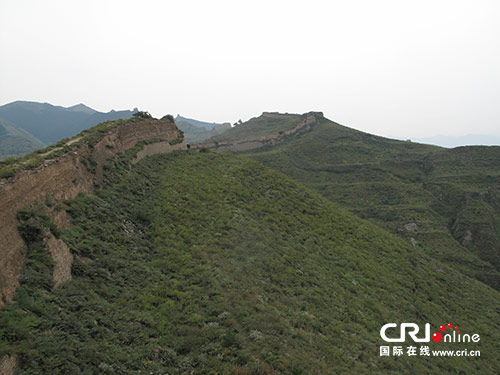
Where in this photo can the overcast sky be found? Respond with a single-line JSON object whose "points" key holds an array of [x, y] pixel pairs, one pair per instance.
{"points": [[394, 68]]}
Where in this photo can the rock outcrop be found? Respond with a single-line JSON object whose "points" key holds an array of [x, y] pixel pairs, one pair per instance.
{"points": [[63, 259], [411, 227], [8, 365], [63, 177]]}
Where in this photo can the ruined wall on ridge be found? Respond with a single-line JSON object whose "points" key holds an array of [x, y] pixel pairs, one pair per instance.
{"points": [[310, 120]]}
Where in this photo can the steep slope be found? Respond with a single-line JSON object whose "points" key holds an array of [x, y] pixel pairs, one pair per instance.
{"points": [[62, 171], [201, 263], [445, 201], [50, 123], [15, 142]]}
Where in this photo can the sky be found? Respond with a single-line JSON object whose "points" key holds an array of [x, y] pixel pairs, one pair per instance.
{"points": [[393, 68]]}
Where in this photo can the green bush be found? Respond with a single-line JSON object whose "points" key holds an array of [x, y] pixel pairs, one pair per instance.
{"points": [[142, 115], [168, 117], [7, 172]]}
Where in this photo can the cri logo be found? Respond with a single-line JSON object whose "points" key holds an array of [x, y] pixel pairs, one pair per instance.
{"points": [[412, 329]]}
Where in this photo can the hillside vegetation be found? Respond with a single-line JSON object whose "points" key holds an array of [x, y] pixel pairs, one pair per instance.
{"points": [[204, 263], [10, 166], [447, 201], [45, 124], [260, 126]]}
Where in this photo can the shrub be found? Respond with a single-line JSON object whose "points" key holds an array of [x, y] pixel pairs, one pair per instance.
{"points": [[168, 117], [7, 172], [142, 114]]}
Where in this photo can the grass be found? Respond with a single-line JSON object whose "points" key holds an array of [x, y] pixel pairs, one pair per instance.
{"points": [[11, 166], [202, 263], [258, 127], [447, 193]]}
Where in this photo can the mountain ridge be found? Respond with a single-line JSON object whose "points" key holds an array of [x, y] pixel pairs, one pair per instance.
{"points": [[197, 131], [392, 183], [236, 138], [459, 141], [62, 171], [82, 108], [198, 123], [49, 124], [14, 141]]}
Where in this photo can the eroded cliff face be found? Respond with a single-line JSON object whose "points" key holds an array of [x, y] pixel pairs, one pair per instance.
{"points": [[62, 178]]}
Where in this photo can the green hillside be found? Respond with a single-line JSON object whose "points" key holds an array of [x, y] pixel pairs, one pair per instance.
{"points": [[46, 124], [448, 201], [259, 127], [15, 142], [10, 166], [203, 263]]}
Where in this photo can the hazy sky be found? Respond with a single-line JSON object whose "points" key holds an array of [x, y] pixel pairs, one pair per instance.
{"points": [[395, 68]]}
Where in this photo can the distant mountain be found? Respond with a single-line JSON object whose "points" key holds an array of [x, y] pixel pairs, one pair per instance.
{"points": [[197, 131], [14, 142], [48, 123], [464, 140], [200, 124], [82, 108]]}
